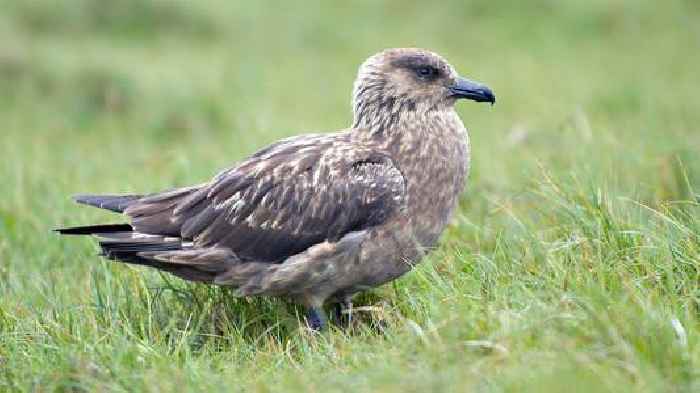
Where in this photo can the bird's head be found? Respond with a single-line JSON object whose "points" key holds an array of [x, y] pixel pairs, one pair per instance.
{"points": [[407, 80]]}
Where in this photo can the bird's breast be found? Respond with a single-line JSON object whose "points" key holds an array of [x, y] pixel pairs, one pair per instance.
{"points": [[433, 156]]}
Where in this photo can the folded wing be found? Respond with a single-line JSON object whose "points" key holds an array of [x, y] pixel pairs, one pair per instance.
{"points": [[282, 200]]}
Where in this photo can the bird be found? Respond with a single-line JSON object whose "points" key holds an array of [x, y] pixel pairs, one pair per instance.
{"points": [[316, 218]]}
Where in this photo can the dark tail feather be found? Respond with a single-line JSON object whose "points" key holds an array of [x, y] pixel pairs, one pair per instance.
{"points": [[115, 203], [121, 248], [95, 229], [119, 242], [128, 250]]}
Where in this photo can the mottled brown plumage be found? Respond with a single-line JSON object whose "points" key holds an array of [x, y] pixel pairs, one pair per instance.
{"points": [[317, 218]]}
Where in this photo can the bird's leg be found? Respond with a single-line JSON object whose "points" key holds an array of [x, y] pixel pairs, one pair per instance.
{"points": [[316, 318], [343, 312]]}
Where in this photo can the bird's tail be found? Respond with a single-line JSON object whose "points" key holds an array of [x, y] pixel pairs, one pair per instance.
{"points": [[115, 203], [95, 229], [119, 242]]}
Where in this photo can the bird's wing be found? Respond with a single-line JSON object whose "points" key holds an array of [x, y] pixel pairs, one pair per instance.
{"points": [[288, 197]]}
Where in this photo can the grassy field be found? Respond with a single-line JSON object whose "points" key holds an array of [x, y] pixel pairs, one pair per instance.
{"points": [[573, 263]]}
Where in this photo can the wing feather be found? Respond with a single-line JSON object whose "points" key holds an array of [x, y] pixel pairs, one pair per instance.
{"points": [[286, 198]]}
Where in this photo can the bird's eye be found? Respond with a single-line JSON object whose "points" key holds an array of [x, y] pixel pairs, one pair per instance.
{"points": [[426, 72]]}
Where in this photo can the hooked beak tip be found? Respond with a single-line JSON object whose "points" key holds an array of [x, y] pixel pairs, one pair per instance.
{"points": [[464, 88]]}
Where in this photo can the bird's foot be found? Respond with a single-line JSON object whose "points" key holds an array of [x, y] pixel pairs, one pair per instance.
{"points": [[343, 313], [316, 319]]}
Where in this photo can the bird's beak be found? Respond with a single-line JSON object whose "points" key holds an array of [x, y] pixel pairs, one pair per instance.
{"points": [[464, 88]]}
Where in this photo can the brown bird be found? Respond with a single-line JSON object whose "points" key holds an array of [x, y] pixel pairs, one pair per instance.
{"points": [[317, 218]]}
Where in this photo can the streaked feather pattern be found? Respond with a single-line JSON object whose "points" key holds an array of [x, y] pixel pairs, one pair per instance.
{"points": [[315, 217]]}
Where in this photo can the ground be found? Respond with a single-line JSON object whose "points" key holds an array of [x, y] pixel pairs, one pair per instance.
{"points": [[572, 264]]}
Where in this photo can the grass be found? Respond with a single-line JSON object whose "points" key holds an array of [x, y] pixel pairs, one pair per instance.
{"points": [[573, 263]]}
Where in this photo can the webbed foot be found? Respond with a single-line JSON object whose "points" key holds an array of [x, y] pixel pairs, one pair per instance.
{"points": [[316, 319], [342, 313]]}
